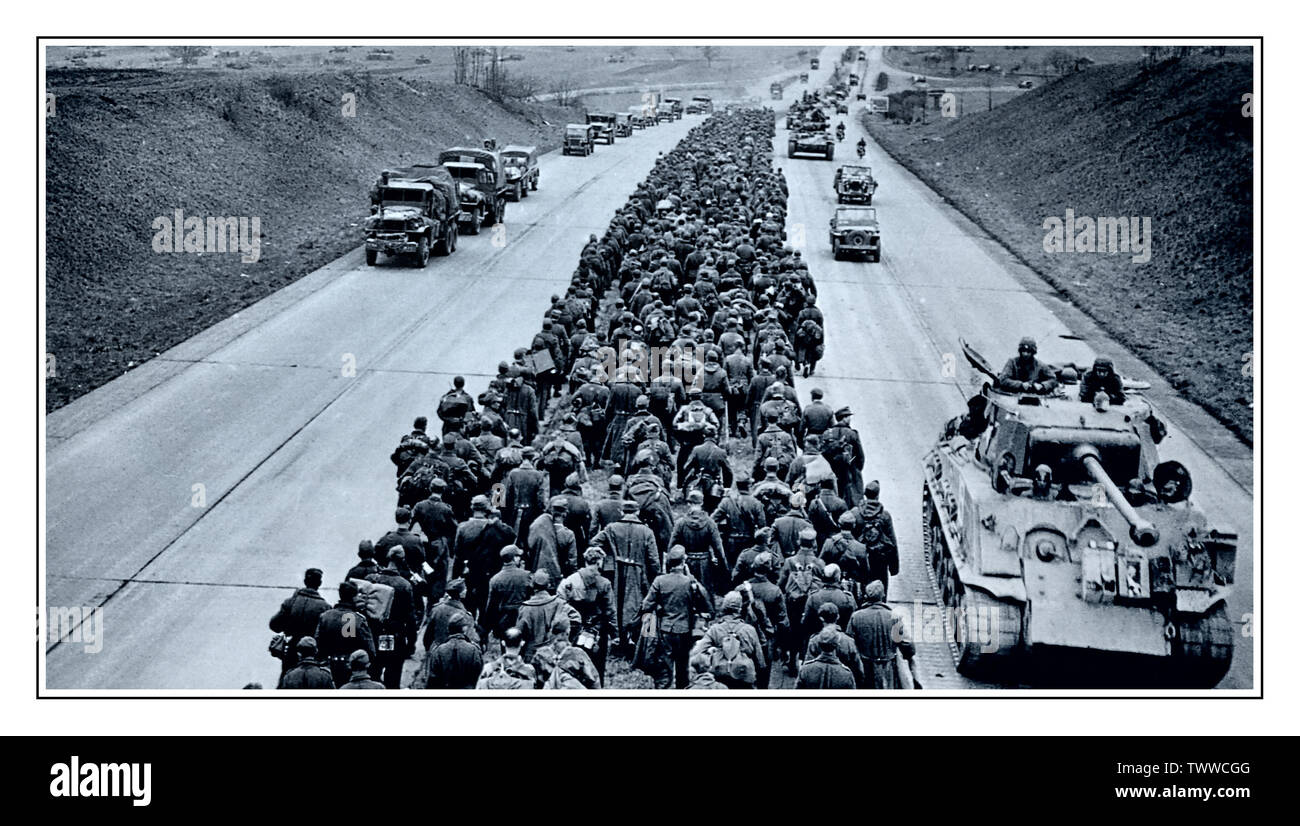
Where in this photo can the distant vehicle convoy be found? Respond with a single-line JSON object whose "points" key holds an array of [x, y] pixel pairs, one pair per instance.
{"points": [[419, 211]]}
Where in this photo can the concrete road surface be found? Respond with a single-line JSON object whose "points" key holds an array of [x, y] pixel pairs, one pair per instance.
{"points": [[892, 327], [292, 453], [189, 496]]}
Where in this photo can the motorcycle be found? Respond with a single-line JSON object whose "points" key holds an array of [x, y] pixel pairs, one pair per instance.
{"points": [[839, 133], [862, 150]]}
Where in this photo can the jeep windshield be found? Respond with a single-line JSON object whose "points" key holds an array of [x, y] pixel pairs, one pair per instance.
{"points": [[855, 217]]}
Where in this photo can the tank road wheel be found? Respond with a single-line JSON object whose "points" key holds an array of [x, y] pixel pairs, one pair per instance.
{"points": [[371, 257], [988, 632], [422, 253], [1201, 649]]}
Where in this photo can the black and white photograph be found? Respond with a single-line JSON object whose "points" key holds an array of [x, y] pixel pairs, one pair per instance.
{"points": [[649, 365]]}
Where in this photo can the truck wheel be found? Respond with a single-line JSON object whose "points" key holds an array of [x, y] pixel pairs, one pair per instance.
{"points": [[371, 257], [422, 253], [475, 223], [535, 183], [868, 201], [830, 153], [835, 249], [447, 243]]}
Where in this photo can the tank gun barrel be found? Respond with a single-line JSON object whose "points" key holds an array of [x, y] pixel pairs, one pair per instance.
{"points": [[1141, 531]]}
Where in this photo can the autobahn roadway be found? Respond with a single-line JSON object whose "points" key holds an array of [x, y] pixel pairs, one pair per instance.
{"points": [[291, 450]]}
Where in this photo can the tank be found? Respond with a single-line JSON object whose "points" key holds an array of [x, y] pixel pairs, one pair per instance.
{"points": [[1050, 523]]}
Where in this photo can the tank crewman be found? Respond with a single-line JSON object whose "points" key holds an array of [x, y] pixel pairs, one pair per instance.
{"points": [[1025, 373], [1102, 379]]}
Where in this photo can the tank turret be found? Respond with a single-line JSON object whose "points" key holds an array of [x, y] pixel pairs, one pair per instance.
{"points": [[1051, 523]]}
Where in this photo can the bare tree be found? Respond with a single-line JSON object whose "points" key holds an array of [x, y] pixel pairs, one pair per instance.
{"points": [[188, 55], [709, 53]]}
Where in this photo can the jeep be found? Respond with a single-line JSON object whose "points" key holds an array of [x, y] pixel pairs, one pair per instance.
{"points": [[855, 231]]}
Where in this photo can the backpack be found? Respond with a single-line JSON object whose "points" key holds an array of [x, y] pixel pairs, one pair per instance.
{"points": [[416, 485], [781, 449], [499, 676], [802, 582], [873, 536], [453, 406], [810, 332], [729, 659], [836, 446], [374, 598]]}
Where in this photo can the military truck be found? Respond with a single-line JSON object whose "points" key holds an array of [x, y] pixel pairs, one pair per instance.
{"points": [[811, 141], [776, 90], [700, 105], [622, 125], [854, 185], [579, 139], [413, 211], [815, 63], [605, 123], [1050, 524], [641, 117], [481, 178], [522, 172], [670, 109]]}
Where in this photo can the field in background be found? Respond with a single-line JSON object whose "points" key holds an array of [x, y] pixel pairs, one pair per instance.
{"points": [[1168, 142]]}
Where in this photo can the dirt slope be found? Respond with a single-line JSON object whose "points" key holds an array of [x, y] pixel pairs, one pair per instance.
{"points": [[1169, 142], [125, 148]]}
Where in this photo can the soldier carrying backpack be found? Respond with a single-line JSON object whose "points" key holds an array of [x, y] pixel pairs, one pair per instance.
{"points": [[876, 532]]}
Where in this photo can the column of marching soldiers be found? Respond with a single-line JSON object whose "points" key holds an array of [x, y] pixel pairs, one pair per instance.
{"points": [[641, 484]]}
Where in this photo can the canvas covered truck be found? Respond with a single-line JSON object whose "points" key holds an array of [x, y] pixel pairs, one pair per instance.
{"points": [[854, 184], [641, 117], [775, 89], [481, 179], [522, 172], [622, 125], [413, 213], [670, 109]]}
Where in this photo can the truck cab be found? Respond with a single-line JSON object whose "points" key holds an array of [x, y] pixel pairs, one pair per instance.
{"points": [[605, 123], [522, 172], [481, 179], [700, 105], [579, 139]]}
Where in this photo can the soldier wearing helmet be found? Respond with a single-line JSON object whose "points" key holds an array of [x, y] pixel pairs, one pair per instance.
{"points": [[1025, 373], [1102, 378]]}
